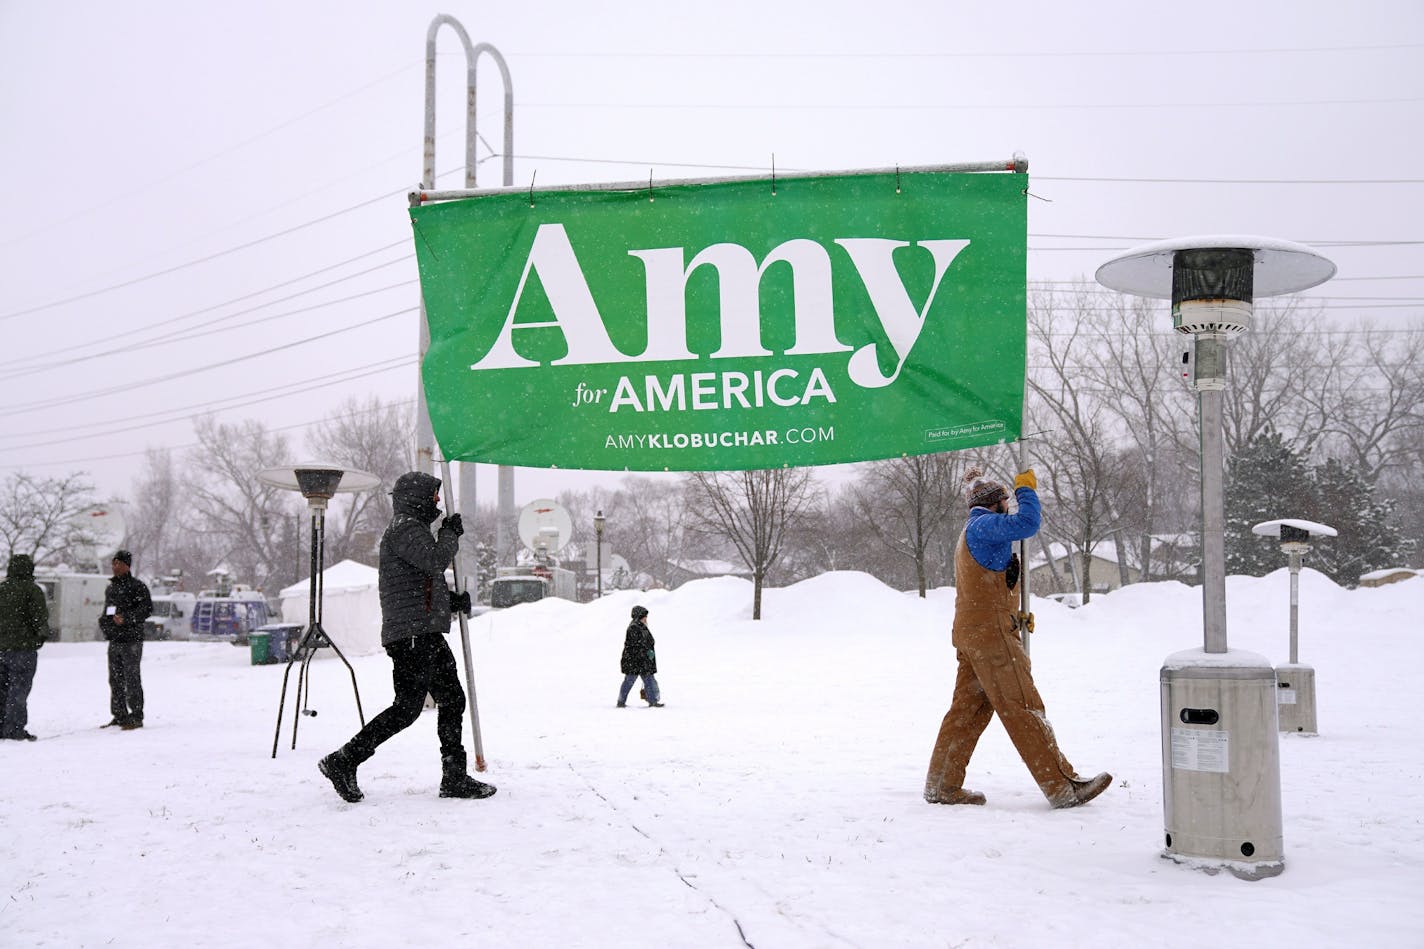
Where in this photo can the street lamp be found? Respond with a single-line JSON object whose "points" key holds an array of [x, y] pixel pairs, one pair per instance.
{"points": [[1220, 753], [598, 521], [1295, 683]]}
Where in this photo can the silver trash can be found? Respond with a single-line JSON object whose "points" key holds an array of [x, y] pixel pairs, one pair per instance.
{"points": [[1221, 769]]}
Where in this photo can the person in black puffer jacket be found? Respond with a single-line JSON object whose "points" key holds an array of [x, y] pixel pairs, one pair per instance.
{"points": [[126, 605], [416, 608], [24, 624]]}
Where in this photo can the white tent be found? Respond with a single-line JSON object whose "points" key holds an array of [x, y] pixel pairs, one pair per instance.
{"points": [[350, 606]]}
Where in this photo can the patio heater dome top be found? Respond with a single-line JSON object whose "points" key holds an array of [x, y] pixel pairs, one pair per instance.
{"points": [[318, 481], [1274, 528], [1281, 266]]}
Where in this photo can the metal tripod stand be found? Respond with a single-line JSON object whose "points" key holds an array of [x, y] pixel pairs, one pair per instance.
{"points": [[313, 638], [317, 483]]}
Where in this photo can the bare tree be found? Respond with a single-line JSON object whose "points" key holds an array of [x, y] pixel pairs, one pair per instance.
{"points": [[751, 510], [905, 502], [1266, 382], [248, 521], [657, 513], [1369, 395], [1133, 370], [370, 435], [1084, 464], [165, 530], [154, 519], [38, 515]]}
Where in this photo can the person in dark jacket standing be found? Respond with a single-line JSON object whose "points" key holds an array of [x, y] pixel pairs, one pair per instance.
{"points": [[126, 605], [416, 609], [639, 659], [24, 623], [994, 674]]}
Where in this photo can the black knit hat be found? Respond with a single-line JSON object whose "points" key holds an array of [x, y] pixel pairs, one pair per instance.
{"points": [[639, 612], [125, 556], [980, 492]]}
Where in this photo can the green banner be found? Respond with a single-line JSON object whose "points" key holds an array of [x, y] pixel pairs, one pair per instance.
{"points": [[726, 325]]}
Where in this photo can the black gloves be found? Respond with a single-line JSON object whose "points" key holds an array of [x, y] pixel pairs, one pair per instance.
{"points": [[460, 602], [454, 523]]}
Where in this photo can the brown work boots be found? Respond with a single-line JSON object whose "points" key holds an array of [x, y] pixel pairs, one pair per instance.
{"points": [[954, 796], [1083, 791], [1078, 792]]}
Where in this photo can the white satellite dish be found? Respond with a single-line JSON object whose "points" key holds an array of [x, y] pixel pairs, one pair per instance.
{"points": [[544, 524], [106, 528]]}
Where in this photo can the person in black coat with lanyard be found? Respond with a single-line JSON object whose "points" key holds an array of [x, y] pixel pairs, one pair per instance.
{"points": [[639, 659], [126, 605], [416, 608]]}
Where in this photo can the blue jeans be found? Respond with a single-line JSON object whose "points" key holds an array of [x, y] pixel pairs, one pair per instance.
{"points": [[650, 687]]}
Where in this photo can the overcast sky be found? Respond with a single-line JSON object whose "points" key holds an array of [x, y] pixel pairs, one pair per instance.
{"points": [[181, 168]]}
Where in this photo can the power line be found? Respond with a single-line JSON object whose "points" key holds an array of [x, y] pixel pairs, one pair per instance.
{"points": [[1038, 282], [963, 54], [382, 197], [1237, 181], [201, 260], [179, 412], [1144, 239], [404, 403], [22, 408], [957, 107], [199, 332], [646, 163], [1089, 289], [208, 159], [349, 375]]}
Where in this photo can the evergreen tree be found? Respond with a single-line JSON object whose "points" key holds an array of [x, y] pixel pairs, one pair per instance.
{"points": [[1266, 481], [1370, 534]]}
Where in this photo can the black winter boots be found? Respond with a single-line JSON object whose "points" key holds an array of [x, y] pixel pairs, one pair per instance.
{"points": [[455, 782], [341, 771]]}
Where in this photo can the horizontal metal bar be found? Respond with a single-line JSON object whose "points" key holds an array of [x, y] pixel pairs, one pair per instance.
{"points": [[1017, 164]]}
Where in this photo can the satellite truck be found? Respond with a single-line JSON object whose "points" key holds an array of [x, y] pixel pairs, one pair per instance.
{"points": [[172, 615], [75, 596], [545, 527]]}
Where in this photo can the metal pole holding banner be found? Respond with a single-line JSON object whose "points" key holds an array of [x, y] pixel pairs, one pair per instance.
{"points": [[1018, 164], [425, 436], [473, 705], [1025, 617]]}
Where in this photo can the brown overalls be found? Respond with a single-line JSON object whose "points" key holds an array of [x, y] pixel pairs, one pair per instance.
{"points": [[993, 676]]}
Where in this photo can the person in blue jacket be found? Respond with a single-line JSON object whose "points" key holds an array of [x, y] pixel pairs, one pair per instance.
{"points": [[993, 674]]}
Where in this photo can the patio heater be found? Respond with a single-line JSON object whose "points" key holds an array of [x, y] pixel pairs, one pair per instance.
{"points": [[1221, 783], [1295, 683], [318, 483]]}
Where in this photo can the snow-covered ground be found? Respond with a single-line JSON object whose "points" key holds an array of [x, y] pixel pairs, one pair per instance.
{"points": [[775, 800]]}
